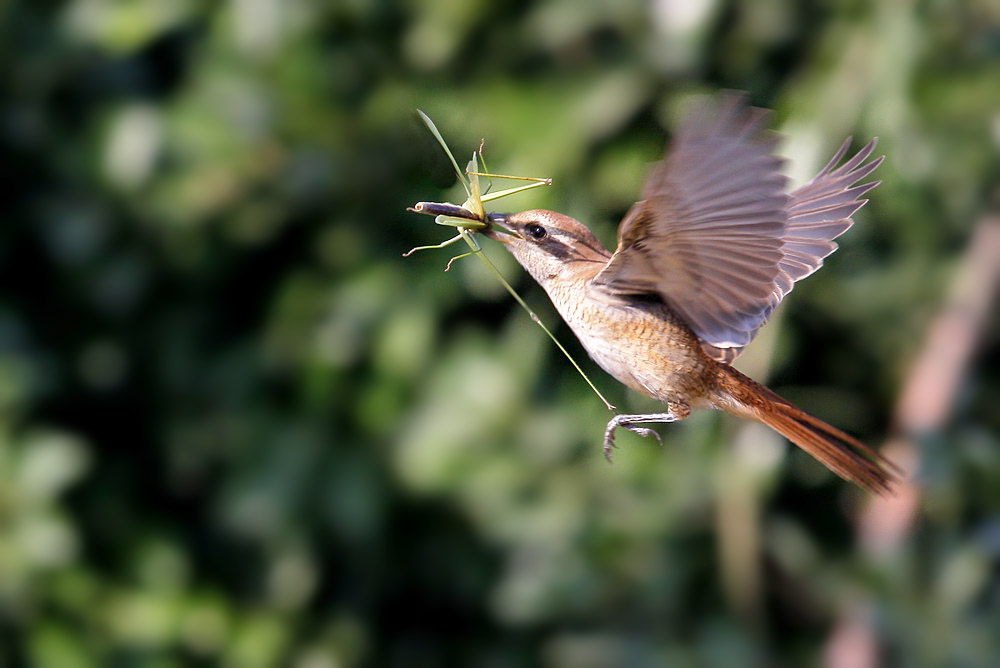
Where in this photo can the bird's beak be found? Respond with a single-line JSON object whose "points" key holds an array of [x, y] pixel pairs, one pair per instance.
{"points": [[499, 230]]}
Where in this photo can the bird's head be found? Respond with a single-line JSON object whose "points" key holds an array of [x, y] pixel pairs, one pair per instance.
{"points": [[549, 245]]}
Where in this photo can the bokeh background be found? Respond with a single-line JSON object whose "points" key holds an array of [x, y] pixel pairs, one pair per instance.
{"points": [[237, 428]]}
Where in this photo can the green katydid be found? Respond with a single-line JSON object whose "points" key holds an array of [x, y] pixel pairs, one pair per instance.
{"points": [[471, 216]]}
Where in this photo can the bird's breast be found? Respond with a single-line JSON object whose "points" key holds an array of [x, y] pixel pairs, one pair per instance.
{"points": [[642, 343]]}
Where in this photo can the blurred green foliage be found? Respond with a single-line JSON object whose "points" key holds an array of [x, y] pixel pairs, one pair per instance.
{"points": [[236, 428]]}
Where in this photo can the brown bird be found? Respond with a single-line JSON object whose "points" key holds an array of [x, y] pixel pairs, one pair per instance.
{"points": [[703, 259]]}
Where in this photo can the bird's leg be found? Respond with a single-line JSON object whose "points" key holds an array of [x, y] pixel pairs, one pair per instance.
{"points": [[631, 422]]}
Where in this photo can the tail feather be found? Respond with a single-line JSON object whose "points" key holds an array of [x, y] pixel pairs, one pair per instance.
{"points": [[841, 453]]}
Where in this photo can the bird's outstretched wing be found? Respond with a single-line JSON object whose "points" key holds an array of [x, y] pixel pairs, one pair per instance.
{"points": [[716, 236]]}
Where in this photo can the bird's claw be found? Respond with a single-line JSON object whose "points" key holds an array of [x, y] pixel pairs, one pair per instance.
{"points": [[609, 441], [609, 446], [645, 432], [609, 437]]}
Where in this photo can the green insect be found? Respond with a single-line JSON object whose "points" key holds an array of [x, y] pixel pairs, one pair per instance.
{"points": [[471, 217]]}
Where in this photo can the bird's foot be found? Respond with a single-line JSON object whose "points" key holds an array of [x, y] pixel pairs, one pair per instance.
{"points": [[630, 422], [645, 432], [609, 442]]}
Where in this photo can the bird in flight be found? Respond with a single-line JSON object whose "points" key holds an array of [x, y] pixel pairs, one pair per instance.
{"points": [[702, 261]]}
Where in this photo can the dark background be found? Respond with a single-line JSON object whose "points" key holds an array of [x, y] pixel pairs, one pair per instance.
{"points": [[237, 428]]}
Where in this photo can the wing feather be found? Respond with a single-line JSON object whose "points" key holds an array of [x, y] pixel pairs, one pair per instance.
{"points": [[716, 236], [707, 236], [818, 213]]}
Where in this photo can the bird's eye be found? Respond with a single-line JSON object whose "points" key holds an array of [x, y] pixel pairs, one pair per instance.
{"points": [[535, 231]]}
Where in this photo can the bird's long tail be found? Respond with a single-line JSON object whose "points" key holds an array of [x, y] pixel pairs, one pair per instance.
{"points": [[841, 453]]}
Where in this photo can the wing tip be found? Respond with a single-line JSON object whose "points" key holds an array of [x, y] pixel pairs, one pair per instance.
{"points": [[727, 113]]}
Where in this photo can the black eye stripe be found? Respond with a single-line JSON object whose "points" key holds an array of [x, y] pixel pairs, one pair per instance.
{"points": [[560, 243], [582, 241], [556, 248]]}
